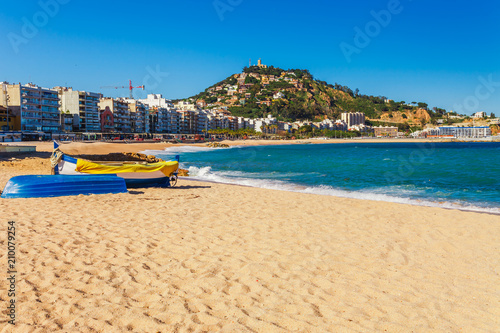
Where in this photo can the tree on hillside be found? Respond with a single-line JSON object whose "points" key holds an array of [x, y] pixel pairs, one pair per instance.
{"points": [[210, 100], [251, 79], [422, 105]]}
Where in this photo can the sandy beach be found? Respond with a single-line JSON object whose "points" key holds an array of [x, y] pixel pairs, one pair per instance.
{"points": [[208, 257]]}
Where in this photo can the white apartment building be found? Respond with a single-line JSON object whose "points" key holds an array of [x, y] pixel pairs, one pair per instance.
{"points": [[353, 118], [38, 107], [157, 100], [455, 131], [81, 103], [186, 106], [261, 122], [465, 132], [337, 125]]}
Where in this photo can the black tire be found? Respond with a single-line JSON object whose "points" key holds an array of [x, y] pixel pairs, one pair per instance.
{"points": [[173, 180]]}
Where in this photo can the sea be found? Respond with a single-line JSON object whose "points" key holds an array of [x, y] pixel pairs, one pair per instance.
{"points": [[455, 175]]}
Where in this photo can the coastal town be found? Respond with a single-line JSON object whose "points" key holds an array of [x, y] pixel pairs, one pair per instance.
{"points": [[30, 112]]}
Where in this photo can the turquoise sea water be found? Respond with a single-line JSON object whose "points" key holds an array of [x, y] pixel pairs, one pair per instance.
{"points": [[451, 175]]}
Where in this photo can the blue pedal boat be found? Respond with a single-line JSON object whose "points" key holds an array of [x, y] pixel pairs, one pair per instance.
{"points": [[44, 186]]}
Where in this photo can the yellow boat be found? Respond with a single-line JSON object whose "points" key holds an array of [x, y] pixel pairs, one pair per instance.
{"points": [[136, 174]]}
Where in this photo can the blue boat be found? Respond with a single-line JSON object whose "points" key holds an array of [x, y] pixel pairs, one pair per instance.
{"points": [[43, 186]]}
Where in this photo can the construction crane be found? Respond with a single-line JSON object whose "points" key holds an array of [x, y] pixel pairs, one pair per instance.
{"points": [[130, 87]]}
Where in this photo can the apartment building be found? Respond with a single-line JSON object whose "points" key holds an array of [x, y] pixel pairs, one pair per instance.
{"points": [[81, 103], [337, 125], [186, 106], [353, 118], [163, 120], [261, 123], [465, 132], [202, 123], [157, 100], [107, 121], [188, 121], [233, 123], [173, 121], [38, 108], [139, 116], [8, 121], [121, 113], [69, 122], [217, 121]]}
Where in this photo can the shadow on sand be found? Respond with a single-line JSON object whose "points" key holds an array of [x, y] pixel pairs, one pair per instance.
{"points": [[184, 187], [21, 156], [188, 187]]}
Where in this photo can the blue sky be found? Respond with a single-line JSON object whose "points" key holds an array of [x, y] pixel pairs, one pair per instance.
{"points": [[445, 54]]}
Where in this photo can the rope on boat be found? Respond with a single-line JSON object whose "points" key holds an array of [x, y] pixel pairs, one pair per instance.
{"points": [[55, 158]]}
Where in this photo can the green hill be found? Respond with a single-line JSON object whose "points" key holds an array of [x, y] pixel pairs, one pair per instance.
{"points": [[253, 94]]}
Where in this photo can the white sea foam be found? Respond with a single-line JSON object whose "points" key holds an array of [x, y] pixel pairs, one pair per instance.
{"points": [[241, 178], [184, 149]]}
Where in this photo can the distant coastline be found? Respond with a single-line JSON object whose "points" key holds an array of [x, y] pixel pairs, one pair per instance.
{"points": [[98, 147]]}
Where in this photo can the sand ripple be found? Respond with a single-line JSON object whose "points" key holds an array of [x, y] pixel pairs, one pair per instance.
{"points": [[210, 257]]}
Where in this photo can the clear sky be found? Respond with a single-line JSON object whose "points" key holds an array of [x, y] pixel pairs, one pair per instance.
{"points": [[443, 53]]}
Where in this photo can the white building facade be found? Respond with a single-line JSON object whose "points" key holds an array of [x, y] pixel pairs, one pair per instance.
{"points": [[353, 118], [81, 103]]}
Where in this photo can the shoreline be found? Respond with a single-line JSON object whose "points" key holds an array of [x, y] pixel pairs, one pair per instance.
{"points": [[414, 203], [98, 147], [104, 148]]}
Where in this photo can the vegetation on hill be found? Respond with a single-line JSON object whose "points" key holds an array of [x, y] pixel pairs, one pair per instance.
{"points": [[252, 94]]}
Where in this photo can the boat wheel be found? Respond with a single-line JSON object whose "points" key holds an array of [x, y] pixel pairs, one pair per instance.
{"points": [[173, 180]]}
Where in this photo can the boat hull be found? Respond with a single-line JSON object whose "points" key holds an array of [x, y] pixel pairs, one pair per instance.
{"points": [[44, 186]]}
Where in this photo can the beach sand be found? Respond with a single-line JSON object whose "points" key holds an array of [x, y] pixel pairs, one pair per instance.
{"points": [[213, 257]]}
